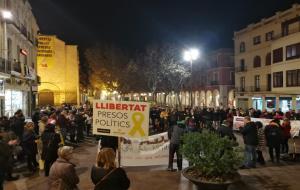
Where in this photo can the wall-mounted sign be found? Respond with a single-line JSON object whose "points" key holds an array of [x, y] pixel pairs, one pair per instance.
{"points": [[23, 52]]}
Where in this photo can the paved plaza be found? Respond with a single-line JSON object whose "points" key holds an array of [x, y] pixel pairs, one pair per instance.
{"points": [[285, 176]]}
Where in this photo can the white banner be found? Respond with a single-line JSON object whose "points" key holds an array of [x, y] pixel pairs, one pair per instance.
{"points": [[239, 122], [153, 150], [122, 119]]}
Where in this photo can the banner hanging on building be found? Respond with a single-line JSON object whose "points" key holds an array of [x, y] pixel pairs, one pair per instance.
{"points": [[150, 151], [121, 118], [46, 53], [239, 122]]}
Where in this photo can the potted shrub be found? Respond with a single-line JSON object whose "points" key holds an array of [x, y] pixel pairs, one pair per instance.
{"points": [[214, 161]]}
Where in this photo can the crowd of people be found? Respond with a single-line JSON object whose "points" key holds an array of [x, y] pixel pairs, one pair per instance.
{"points": [[256, 137], [41, 143]]}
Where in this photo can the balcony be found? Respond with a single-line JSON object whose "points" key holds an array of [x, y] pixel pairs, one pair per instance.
{"points": [[253, 89], [212, 83], [5, 66], [17, 67], [240, 69], [23, 30]]}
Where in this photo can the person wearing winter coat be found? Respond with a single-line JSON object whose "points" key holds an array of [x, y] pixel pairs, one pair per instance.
{"points": [[226, 131], [286, 129], [50, 141], [261, 142], [62, 173], [29, 146], [105, 175], [249, 132], [175, 134], [17, 123], [274, 138]]}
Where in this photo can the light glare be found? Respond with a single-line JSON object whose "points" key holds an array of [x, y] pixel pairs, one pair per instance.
{"points": [[7, 15]]}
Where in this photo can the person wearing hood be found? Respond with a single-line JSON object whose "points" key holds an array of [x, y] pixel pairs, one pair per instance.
{"points": [[175, 134], [105, 175]]}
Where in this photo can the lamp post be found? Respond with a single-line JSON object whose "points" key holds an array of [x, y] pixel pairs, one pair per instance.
{"points": [[6, 15], [191, 55]]}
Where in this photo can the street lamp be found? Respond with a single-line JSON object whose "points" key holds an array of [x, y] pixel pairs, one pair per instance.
{"points": [[191, 55], [6, 15]]}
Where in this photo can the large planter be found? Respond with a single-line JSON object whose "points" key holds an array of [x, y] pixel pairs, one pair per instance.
{"points": [[208, 185]]}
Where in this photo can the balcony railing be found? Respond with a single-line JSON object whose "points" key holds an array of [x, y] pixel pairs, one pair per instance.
{"points": [[241, 69], [5, 66], [17, 67], [214, 83], [253, 89]]}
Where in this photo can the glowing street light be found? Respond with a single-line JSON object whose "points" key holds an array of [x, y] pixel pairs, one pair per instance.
{"points": [[191, 55], [7, 15]]}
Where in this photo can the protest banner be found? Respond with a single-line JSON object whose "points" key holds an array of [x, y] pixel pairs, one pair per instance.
{"points": [[239, 122], [153, 150], [121, 118]]}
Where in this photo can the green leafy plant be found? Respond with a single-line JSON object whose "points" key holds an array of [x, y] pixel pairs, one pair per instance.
{"points": [[213, 158]]}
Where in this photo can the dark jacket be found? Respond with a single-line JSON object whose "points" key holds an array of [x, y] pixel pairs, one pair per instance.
{"points": [[249, 132], [17, 126], [5, 155], [225, 131], [51, 142], [274, 135], [175, 133], [65, 171], [28, 143], [117, 180]]}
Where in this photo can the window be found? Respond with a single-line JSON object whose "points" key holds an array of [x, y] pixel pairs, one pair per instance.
{"points": [[269, 36], [215, 76], [231, 76], [293, 51], [242, 47], [256, 62], [268, 59], [242, 65], [256, 83], [278, 79], [293, 78], [242, 82], [277, 55], [256, 40]]}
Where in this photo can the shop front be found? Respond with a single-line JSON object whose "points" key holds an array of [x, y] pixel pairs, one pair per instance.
{"points": [[257, 103], [14, 100], [298, 103], [285, 103], [270, 103]]}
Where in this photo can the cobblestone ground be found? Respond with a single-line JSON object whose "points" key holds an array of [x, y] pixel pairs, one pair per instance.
{"points": [[270, 177]]}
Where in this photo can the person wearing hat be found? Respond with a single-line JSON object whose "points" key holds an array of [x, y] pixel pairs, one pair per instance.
{"points": [[175, 133], [62, 173]]}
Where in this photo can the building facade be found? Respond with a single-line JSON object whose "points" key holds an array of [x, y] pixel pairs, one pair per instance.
{"points": [[18, 79], [213, 83], [267, 62], [58, 67]]}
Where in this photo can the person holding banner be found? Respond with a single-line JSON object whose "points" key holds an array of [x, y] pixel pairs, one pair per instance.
{"points": [[105, 175]]}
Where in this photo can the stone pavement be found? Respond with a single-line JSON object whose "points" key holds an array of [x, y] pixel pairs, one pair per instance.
{"points": [[271, 177]]}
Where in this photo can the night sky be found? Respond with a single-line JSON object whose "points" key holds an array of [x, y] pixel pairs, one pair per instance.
{"points": [[134, 24]]}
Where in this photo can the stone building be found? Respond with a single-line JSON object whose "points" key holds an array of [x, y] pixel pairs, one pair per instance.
{"points": [[267, 62], [58, 68], [18, 44]]}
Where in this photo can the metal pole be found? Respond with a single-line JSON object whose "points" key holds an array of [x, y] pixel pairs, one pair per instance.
{"points": [[191, 87]]}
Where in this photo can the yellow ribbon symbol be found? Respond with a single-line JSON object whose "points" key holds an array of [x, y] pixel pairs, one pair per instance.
{"points": [[137, 119]]}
